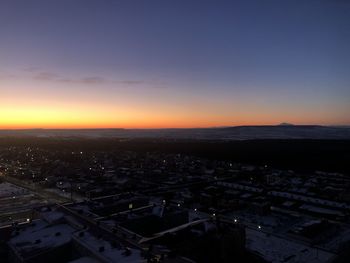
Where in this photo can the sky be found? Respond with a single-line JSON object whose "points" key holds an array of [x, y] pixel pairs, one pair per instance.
{"points": [[173, 63]]}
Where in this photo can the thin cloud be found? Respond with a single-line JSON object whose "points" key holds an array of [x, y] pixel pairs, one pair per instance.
{"points": [[46, 76], [131, 82], [93, 80], [87, 80], [31, 69], [38, 75], [7, 76], [50, 76]]}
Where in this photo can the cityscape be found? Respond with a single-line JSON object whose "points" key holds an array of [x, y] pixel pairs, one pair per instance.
{"points": [[82, 200], [174, 131]]}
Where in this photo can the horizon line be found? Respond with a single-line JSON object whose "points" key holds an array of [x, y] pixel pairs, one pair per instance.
{"points": [[178, 128]]}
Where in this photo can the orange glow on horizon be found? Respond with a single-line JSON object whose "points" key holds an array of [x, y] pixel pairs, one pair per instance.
{"points": [[36, 110], [80, 119]]}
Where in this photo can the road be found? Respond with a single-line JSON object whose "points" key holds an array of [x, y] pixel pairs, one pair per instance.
{"points": [[36, 190]]}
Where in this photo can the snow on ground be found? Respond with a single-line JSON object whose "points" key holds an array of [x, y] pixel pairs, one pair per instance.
{"points": [[10, 190], [275, 249], [52, 216]]}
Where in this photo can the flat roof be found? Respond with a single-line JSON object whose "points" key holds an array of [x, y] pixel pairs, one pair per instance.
{"points": [[27, 241]]}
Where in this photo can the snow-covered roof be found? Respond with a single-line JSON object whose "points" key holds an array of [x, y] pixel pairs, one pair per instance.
{"points": [[40, 235], [240, 187], [85, 260], [109, 254], [309, 199], [275, 249], [321, 210]]}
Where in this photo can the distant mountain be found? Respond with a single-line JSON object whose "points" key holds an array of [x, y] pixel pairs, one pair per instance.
{"points": [[222, 133], [286, 124]]}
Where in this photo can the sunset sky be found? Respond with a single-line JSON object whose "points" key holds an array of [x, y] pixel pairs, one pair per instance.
{"points": [[173, 63]]}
